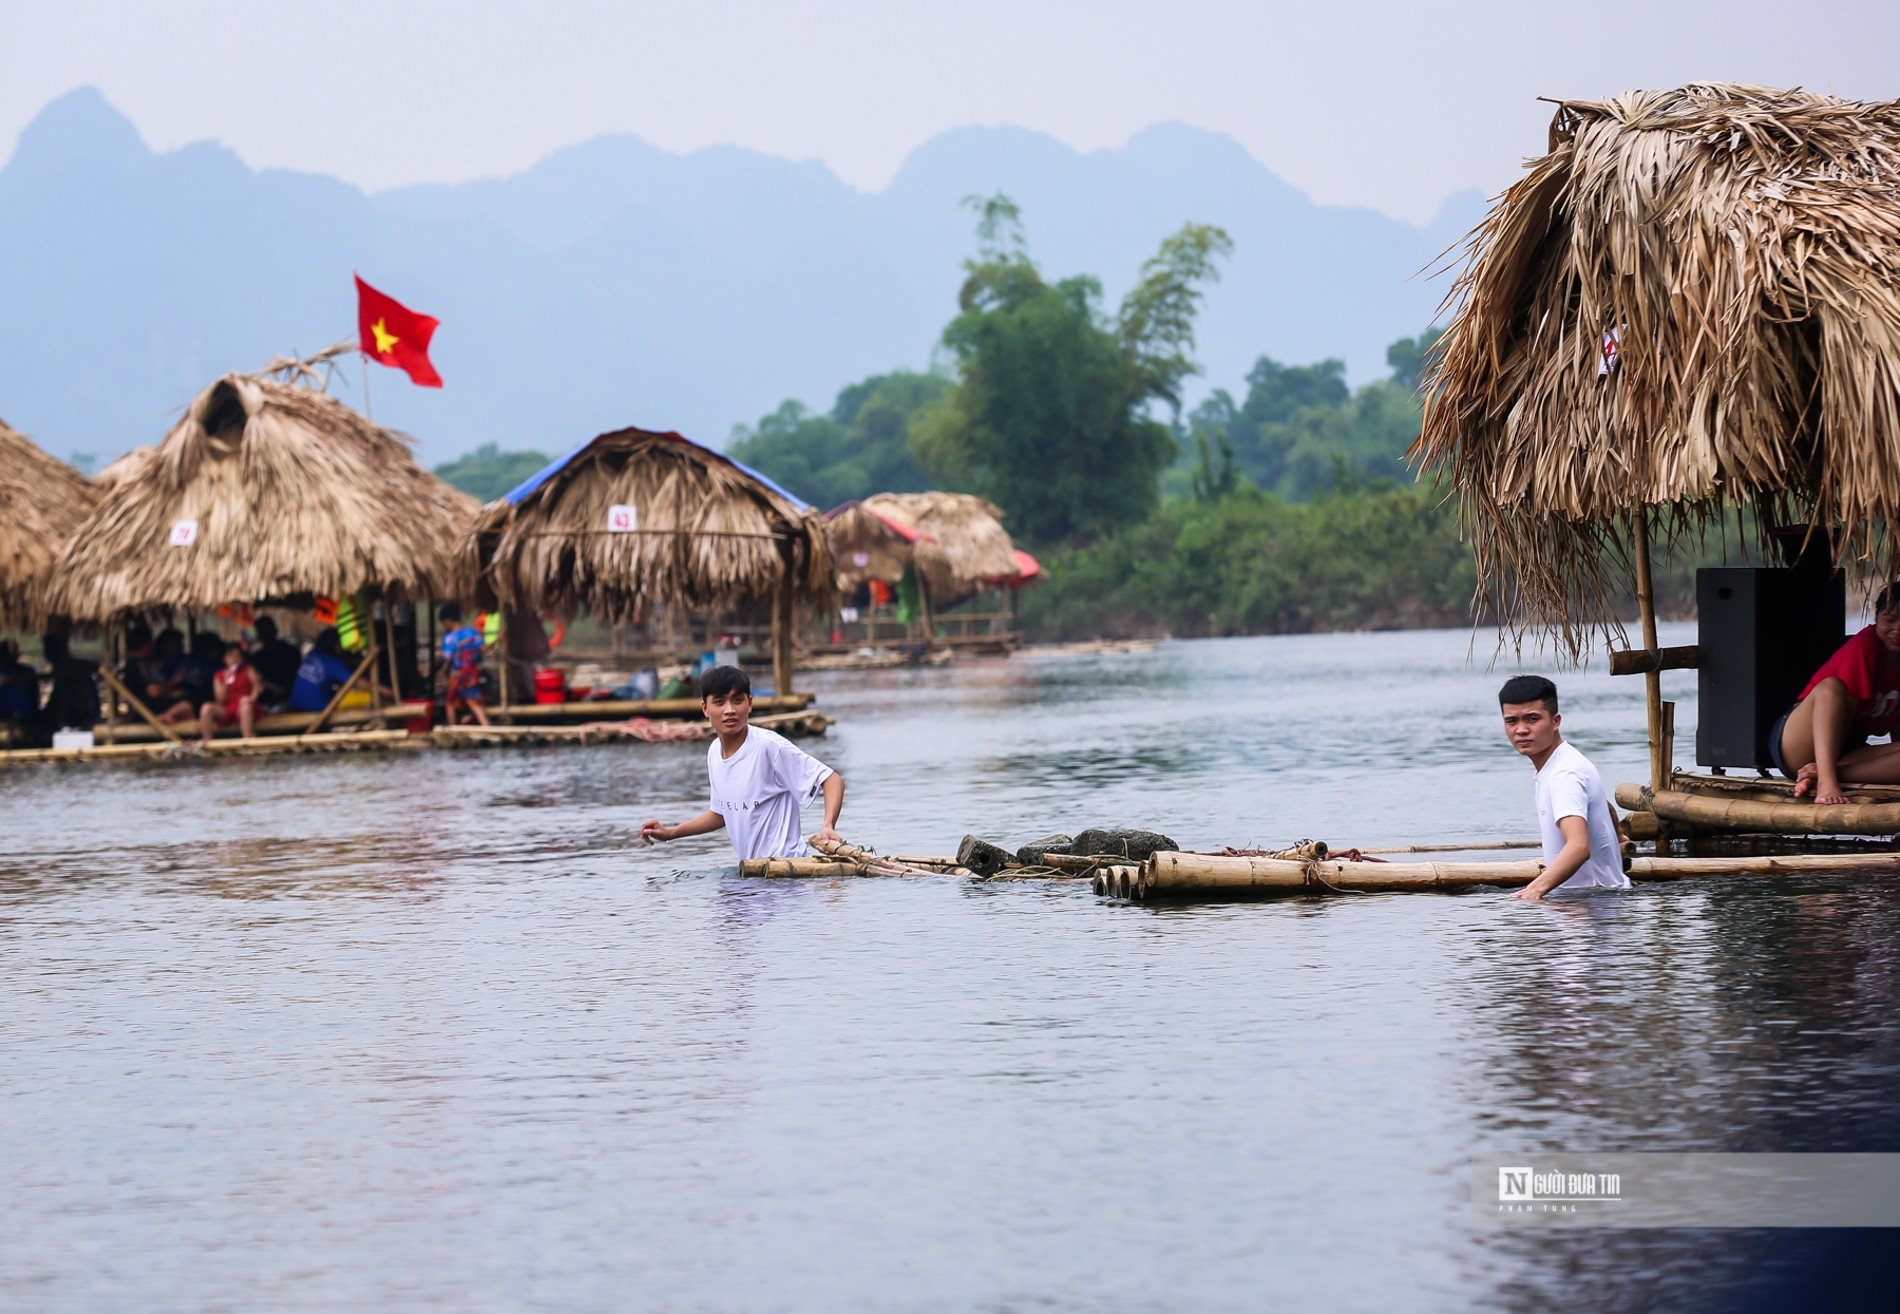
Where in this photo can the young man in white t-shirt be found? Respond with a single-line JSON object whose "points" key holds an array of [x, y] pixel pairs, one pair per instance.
{"points": [[759, 779], [1582, 849]]}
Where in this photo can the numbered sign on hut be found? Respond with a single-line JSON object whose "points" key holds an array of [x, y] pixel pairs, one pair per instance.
{"points": [[622, 519], [184, 533]]}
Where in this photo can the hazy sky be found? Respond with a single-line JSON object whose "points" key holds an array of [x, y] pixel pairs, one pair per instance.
{"points": [[1387, 105]]}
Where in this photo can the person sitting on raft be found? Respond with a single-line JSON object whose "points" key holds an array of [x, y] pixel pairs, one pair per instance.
{"points": [[462, 653], [19, 686], [235, 690], [1822, 740], [323, 672], [275, 662], [759, 779], [1582, 849]]}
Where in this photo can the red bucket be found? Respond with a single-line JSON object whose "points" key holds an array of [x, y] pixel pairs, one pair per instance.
{"points": [[550, 686]]}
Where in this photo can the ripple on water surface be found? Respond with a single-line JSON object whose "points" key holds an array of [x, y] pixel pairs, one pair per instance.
{"points": [[433, 1032]]}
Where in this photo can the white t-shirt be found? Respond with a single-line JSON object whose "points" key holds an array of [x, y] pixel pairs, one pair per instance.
{"points": [[1568, 786], [759, 791]]}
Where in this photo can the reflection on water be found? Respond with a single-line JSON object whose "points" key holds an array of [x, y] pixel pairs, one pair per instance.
{"points": [[432, 1032]]}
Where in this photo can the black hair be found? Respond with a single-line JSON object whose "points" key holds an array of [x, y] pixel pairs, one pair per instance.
{"points": [[449, 611], [1529, 689], [724, 680], [257, 626], [1889, 594], [329, 642]]}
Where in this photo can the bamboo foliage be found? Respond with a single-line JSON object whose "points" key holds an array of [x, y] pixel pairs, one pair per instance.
{"points": [[293, 494], [42, 501], [1743, 244], [708, 535]]}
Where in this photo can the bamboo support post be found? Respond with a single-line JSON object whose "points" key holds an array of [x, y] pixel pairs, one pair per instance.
{"points": [[1659, 763], [132, 700], [336, 700], [782, 624], [109, 660], [503, 666]]}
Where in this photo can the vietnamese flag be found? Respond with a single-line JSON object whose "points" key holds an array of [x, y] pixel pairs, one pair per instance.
{"points": [[394, 335]]}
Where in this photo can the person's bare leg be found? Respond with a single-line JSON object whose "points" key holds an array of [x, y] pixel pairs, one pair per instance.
{"points": [[207, 723], [1815, 731], [480, 713], [1872, 764], [247, 717]]}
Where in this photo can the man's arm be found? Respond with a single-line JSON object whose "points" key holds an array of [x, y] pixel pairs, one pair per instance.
{"points": [[1575, 852], [705, 823], [834, 804]]}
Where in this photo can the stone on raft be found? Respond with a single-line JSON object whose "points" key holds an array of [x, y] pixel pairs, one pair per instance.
{"points": [[1031, 854], [981, 856], [1116, 842]]}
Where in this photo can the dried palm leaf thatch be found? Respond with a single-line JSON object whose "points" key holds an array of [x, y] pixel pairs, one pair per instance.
{"points": [[293, 494], [42, 501], [1742, 246], [126, 467], [867, 546], [967, 542], [705, 533]]}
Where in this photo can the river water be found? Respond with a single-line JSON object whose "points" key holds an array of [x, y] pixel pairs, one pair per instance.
{"points": [[430, 1032]]}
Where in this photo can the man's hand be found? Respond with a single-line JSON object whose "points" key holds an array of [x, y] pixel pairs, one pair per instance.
{"points": [[827, 833], [1530, 894], [655, 832]]}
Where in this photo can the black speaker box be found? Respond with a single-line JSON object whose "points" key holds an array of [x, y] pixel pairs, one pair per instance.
{"points": [[1763, 633]]}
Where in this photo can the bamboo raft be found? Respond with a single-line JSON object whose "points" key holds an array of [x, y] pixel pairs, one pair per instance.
{"points": [[1307, 869], [791, 724]]}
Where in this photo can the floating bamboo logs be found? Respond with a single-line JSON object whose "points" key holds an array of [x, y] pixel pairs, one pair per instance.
{"points": [[1791, 818], [1184, 875]]}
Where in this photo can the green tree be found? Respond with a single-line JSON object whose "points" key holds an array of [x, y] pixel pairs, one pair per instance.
{"points": [[1409, 358], [1049, 416], [861, 447], [488, 472]]}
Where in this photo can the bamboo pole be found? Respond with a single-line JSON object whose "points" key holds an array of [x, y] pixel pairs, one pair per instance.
{"points": [[501, 642], [132, 701], [1659, 763], [1791, 818], [782, 624], [110, 655], [336, 699], [1180, 874]]}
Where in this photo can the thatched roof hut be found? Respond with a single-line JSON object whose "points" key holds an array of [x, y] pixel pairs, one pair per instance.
{"points": [[42, 501], [265, 492], [866, 545], [1691, 302], [126, 467], [695, 529], [968, 545]]}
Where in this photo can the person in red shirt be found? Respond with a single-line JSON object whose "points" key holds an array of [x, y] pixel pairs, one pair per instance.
{"points": [[1822, 740]]}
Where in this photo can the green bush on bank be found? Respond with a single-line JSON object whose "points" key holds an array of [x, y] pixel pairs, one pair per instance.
{"points": [[1251, 562]]}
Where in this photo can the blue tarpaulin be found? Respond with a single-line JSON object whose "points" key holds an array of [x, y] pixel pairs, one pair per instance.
{"points": [[516, 495]]}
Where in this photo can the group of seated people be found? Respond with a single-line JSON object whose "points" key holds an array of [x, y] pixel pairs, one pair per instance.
{"points": [[221, 683], [227, 682]]}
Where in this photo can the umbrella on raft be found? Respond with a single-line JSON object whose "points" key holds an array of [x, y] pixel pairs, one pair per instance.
{"points": [[635, 518], [1690, 304]]}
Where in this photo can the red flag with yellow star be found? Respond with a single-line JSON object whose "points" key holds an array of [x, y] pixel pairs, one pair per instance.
{"points": [[391, 334]]}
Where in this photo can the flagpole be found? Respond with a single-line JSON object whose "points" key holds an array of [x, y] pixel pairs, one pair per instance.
{"points": [[367, 413]]}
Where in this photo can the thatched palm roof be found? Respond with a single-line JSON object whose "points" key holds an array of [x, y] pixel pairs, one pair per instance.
{"points": [[867, 546], [126, 467], [969, 544], [293, 494], [42, 501], [1743, 245], [706, 532]]}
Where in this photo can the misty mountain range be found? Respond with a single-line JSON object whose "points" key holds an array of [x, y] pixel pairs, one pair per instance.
{"points": [[614, 283]]}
